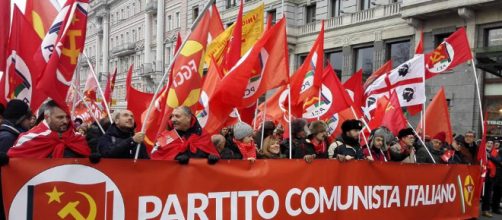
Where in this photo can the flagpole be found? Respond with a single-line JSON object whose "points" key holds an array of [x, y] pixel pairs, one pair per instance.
{"points": [[263, 122], [364, 136], [422, 142], [290, 127], [164, 76], [319, 103], [74, 101], [479, 96], [255, 115], [99, 86], [88, 108]]}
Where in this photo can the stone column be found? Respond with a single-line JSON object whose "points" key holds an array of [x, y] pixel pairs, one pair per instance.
{"points": [[148, 35], [159, 57], [106, 38]]}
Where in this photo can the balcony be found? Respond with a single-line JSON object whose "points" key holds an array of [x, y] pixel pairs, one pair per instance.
{"points": [[348, 19], [427, 8], [124, 49], [151, 7]]}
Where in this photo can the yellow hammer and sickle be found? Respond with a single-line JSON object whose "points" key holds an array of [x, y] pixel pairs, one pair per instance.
{"points": [[73, 51], [71, 209], [389, 107]]}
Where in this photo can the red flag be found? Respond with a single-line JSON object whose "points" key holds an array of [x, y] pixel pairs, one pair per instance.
{"points": [[354, 86], [420, 45], [215, 25], [333, 98], [90, 87], [384, 69], [67, 46], [137, 101], [206, 121], [276, 109], [481, 154], [389, 114], [437, 117], [41, 14], [335, 123], [234, 46], [306, 81], [269, 22], [86, 114], [186, 83], [453, 51], [238, 88], [4, 32], [22, 73], [110, 85]]}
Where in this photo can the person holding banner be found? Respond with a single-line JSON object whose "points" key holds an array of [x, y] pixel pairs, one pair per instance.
{"points": [[298, 131], [403, 150], [435, 147], [243, 138], [185, 139], [316, 140], [347, 146], [120, 140], [17, 119], [53, 138], [380, 141]]}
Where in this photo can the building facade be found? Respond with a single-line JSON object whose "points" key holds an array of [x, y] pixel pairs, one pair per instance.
{"points": [[360, 34]]}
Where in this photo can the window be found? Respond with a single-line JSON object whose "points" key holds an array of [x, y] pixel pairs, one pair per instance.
{"points": [[112, 19], [195, 13], [117, 16], [169, 22], [127, 37], [134, 37], [123, 13], [494, 37], [178, 19], [301, 59], [168, 55], [310, 13], [336, 60], [133, 8], [273, 15], [399, 52], [127, 10], [231, 3], [116, 41], [439, 38], [140, 34], [364, 60], [335, 8], [122, 39], [364, 4]]}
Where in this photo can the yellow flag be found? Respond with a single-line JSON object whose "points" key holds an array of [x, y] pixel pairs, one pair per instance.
{"points": [[252, 29]]}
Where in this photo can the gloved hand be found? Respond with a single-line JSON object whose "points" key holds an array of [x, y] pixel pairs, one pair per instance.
{"points": [[95, 158], [183, 159], [4, 159], [212, 159]]}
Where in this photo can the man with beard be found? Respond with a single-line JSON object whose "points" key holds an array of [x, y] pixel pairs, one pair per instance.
{"points": [[347, 147], [380, 140], [53, 138], [184, 139], [120, 140]]}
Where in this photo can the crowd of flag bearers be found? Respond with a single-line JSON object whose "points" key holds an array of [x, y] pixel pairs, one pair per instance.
{"points": [[212, 102]]}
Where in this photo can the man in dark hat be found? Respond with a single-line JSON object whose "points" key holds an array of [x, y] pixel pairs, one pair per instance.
{"points": [[435, 147], [17, 119], [347, 147], [403, 150], [298, 131]]}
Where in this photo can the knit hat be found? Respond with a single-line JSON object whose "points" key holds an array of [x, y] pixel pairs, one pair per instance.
{"points": [[317, 127], [298, 125], [440, 136], [351, 124], [384, 133], [16, 110], [242, 130], [405, 132]]}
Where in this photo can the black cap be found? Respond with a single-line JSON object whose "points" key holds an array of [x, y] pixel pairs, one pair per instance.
{"points": [[16, 110]]}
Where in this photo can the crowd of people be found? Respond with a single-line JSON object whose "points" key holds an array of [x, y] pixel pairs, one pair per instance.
{"points": [[52, 134]]}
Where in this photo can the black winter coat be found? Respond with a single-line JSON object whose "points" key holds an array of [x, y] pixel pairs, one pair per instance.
{"points": [[8, 135], [119, 144]]}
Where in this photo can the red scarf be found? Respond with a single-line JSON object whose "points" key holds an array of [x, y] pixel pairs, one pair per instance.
{"points": [[175, 145], [248, 150], [41, 142], [320, 147]]}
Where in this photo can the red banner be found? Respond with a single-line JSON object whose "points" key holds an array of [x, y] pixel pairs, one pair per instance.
{"points": [[265, 189]]}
